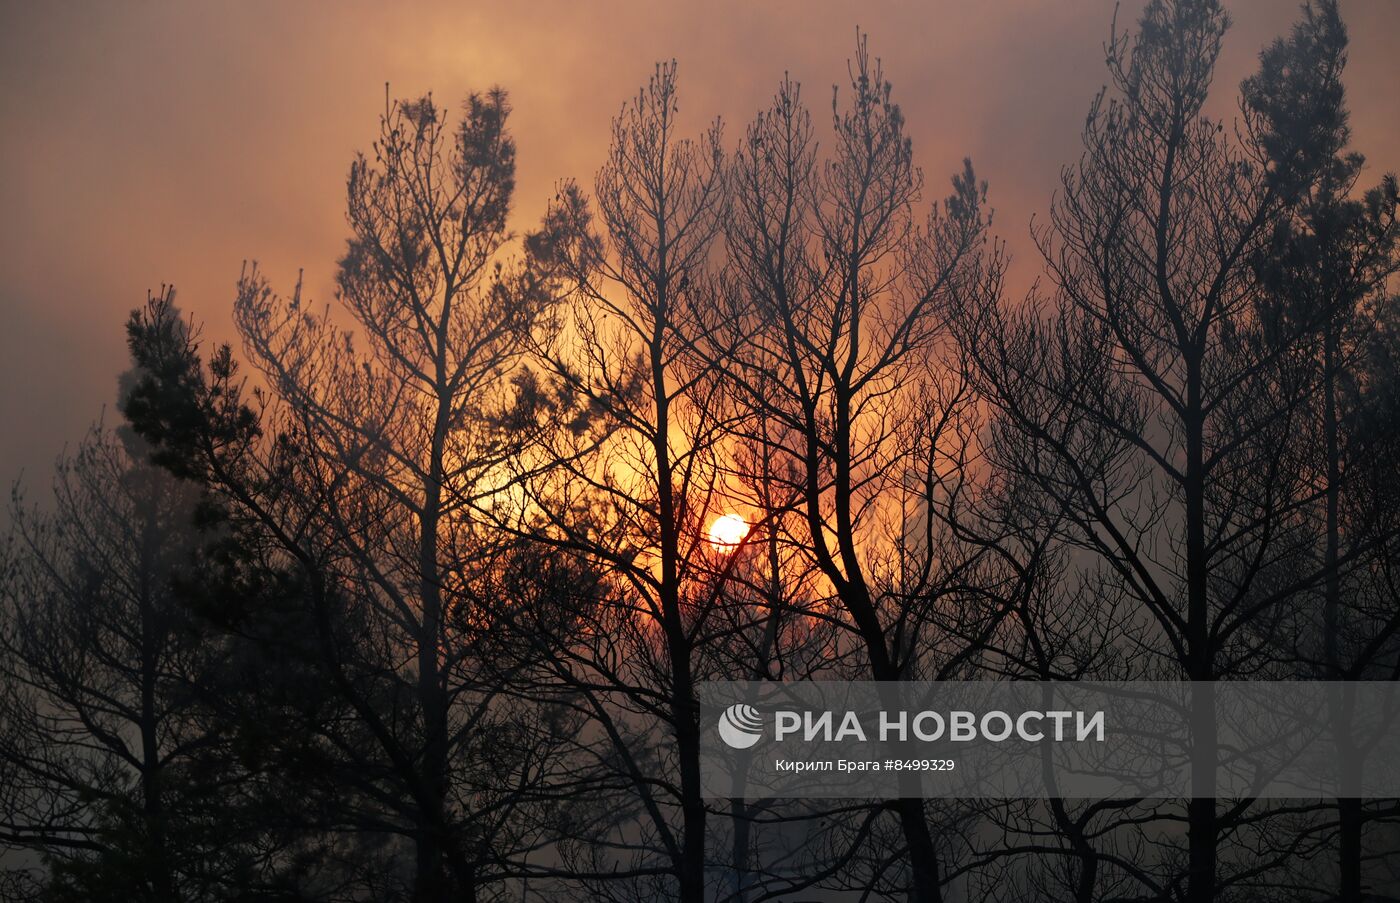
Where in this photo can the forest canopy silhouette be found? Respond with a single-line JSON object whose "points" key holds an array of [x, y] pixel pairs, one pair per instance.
{"points": [[409, 595]]}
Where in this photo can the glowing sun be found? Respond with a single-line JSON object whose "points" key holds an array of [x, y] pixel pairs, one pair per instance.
{"points": [[727, 531]]}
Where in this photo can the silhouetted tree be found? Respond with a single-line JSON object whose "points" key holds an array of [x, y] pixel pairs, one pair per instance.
{"points": [[425, 613], [1328, 265], [633, 352], [844, 348], [369, 483], [116, 771], [1159, 389]]}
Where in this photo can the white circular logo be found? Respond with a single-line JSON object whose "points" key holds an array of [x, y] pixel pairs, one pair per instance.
{"points": [[741, 726]]}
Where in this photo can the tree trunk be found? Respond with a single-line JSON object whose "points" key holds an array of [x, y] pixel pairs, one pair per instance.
{"points": [[1349, 812], [1201, 810], [152, 805], [692, 865], [1350, 819], [685, 708], [923, 859], [432, 884]]}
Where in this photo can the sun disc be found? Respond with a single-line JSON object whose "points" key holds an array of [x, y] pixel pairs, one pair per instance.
{"points": [[727, 531]]}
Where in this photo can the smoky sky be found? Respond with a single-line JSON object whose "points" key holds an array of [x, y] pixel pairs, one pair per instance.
{"points": [[147, 143]]}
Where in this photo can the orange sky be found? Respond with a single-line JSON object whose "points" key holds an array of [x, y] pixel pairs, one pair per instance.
{"points": [[151, 142]]}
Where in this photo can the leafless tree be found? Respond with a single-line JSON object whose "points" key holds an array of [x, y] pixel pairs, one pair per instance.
{"points": [[846, 350], [1158, 389], [374, 467], [637, 503], [111, 763]]}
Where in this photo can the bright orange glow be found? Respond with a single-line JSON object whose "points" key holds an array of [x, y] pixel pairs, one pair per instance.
{"points": [[727, 531]]}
